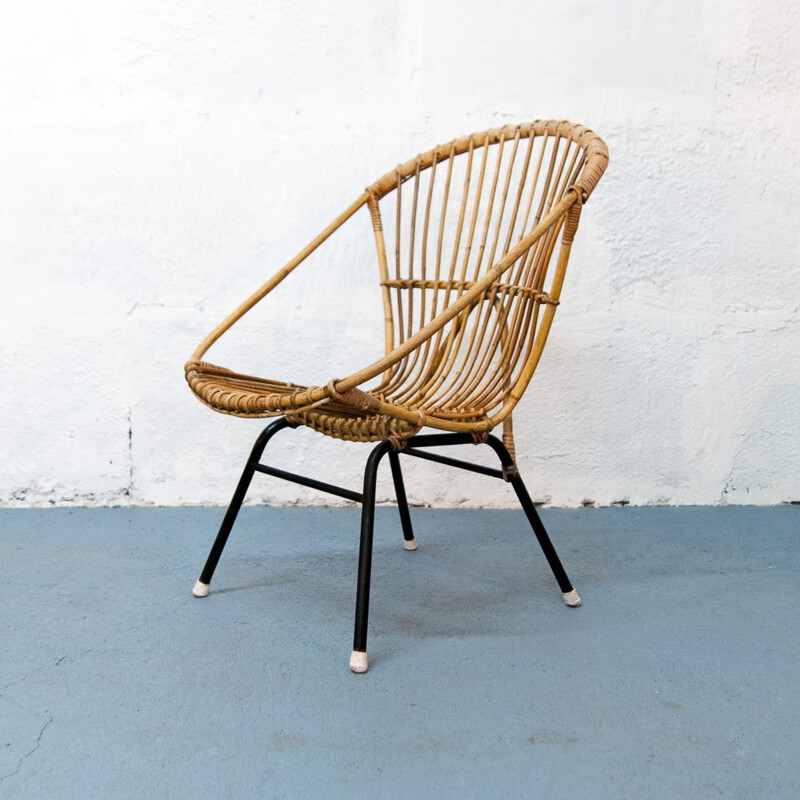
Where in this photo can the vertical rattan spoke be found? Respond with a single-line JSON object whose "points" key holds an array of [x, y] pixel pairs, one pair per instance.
{"points": [[482, 195]]}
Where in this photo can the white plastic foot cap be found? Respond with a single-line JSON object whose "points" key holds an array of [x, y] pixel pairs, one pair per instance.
{"points": [[200, 589], [358, 661], [410, 544], [572, 599]]}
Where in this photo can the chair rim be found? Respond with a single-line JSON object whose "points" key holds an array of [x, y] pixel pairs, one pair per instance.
{"points": [[593, 146]]}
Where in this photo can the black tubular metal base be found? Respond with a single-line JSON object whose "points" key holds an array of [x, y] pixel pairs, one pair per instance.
{"points": [[415, 448]]}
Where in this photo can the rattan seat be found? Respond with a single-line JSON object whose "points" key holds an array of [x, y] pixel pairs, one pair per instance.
{"points": [[465, 238], [248, 396]]}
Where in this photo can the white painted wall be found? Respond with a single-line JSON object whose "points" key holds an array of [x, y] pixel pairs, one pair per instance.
{"points": [[158, 160]]}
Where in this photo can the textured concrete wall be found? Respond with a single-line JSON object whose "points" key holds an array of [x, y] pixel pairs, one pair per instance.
{"points": [[158, 160]]}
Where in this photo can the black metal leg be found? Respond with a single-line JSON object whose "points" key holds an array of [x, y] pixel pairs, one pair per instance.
{"points": [[571, 597], [409, 542], [358, 658], [201, 587], [541, 534]]}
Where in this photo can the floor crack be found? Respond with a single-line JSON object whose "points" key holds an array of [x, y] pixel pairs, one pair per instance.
{"points": [[30, 752], [31, 672]]}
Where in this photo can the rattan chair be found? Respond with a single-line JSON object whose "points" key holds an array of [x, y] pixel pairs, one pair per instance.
{"points": [[466, 234]]}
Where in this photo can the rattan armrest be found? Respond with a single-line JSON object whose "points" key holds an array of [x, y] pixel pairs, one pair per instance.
{"points": [[277, 278]]}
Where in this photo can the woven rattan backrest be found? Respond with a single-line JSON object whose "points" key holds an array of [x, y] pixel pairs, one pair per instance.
{"points": [[441, 221]]}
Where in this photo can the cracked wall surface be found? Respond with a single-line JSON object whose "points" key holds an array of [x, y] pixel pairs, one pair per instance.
{"points": [[159, 162]]}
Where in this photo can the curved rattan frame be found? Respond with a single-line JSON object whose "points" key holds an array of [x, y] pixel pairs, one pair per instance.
{"points": [[413, 370]]}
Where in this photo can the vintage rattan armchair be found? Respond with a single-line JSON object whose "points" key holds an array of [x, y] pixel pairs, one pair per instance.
{"points": [[465, 237]]}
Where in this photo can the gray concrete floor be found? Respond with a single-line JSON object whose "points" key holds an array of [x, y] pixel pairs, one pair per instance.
{"points": [[679, 677]]}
